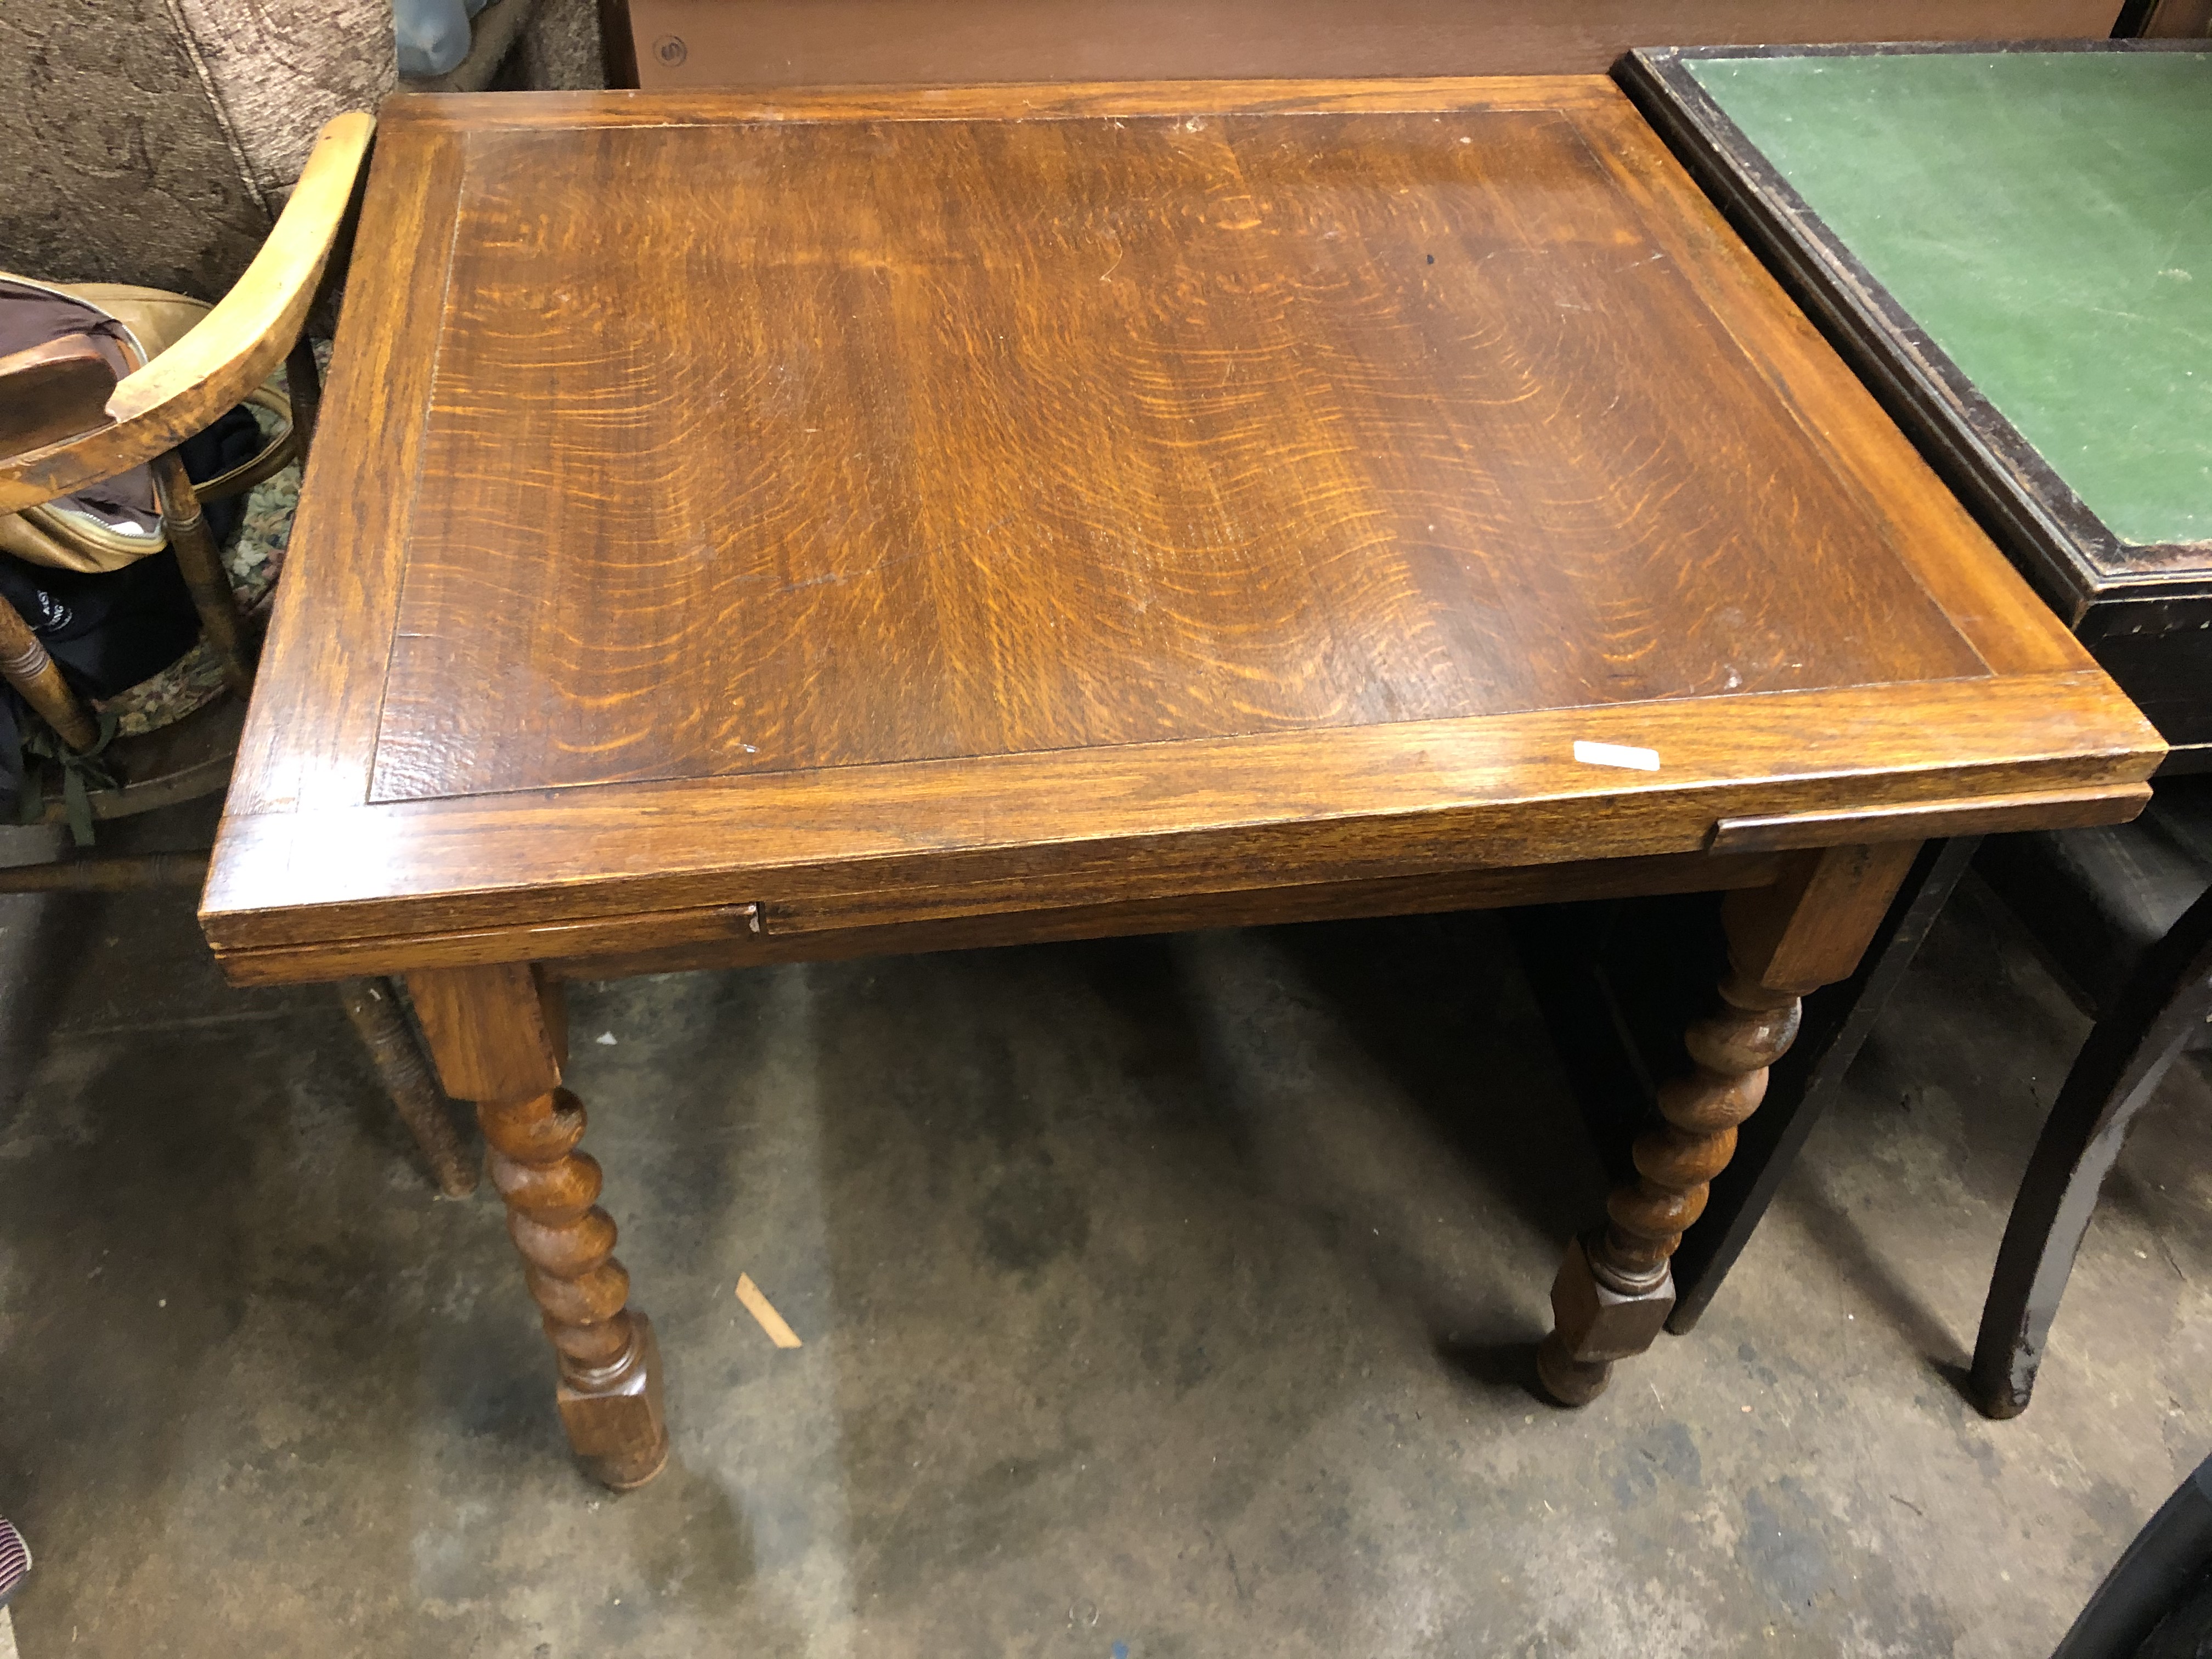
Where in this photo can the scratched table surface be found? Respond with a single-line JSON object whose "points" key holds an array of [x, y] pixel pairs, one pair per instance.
{"points": [[835, 510]]}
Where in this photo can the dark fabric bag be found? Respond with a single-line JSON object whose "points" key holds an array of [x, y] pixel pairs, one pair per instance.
{"points": [[108, 631]]}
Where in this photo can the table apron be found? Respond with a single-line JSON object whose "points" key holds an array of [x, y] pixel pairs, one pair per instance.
{"points": [[737, 935]]}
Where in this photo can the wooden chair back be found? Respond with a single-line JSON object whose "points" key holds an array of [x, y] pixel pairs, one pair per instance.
{"points": [[71, 423]]}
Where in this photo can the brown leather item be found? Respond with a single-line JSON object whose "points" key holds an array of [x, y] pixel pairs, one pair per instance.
{"points": [[119, 523], [58, 389]]}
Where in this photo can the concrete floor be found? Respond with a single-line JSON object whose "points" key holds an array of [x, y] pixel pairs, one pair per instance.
{"points": [[1164, 1297]]}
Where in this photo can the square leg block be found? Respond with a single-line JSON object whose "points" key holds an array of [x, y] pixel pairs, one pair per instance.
{"points": [[620, 1432], [1594, 1323]]}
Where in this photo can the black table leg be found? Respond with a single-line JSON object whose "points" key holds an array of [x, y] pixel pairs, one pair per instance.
{"points": [[2165, 1005]]}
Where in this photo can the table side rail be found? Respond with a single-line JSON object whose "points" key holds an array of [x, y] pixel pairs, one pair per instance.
{"points": [[871, 924], [1742, 852]]}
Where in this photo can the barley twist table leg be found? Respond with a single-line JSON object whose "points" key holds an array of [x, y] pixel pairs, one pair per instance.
{"points": [[1614, 1291], [610, 1367], [499, 1034]]}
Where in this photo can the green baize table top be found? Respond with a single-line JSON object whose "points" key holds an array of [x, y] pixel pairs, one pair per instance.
{"points": [[2046, 218]]}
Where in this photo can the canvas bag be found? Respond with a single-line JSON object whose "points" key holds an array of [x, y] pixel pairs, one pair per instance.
{"points": [[104, 526]]}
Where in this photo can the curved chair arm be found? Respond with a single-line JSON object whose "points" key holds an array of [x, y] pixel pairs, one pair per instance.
{"points": [[229, 353]]}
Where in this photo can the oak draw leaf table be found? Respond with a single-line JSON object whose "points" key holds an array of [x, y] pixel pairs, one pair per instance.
{"points": [[751, 528]]}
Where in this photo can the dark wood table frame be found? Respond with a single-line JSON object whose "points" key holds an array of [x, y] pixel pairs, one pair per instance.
{"points": [[765, 528]]}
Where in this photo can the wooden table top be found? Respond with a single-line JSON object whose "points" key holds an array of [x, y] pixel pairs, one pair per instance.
{"points": [[1023, 495]]}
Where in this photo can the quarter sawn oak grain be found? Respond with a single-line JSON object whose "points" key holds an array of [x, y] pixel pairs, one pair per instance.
{"points": [[1272, 423], [758, 527]]}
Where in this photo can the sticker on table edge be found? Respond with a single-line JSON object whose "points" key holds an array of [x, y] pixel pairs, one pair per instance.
{"points": [[1617, 754]]}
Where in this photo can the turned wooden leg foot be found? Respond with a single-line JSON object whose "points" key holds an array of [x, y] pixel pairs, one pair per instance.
{"points": [[1614, 1291], [499, 1036], [614, 1420], [1595, 1320], [610, 1367], [1569, 1381]]}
